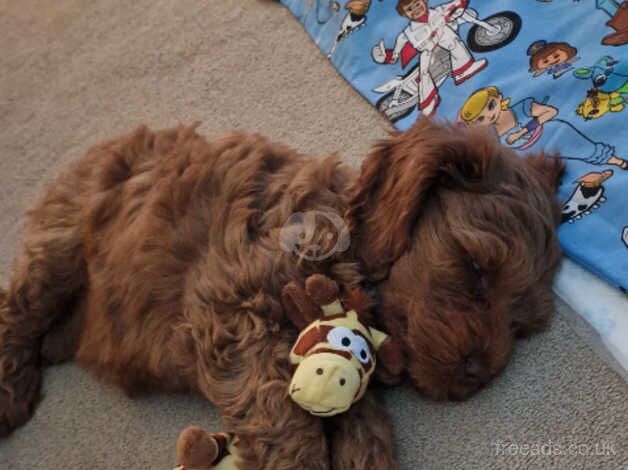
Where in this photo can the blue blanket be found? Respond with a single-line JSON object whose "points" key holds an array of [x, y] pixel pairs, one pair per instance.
{"points": [[549, 75]]}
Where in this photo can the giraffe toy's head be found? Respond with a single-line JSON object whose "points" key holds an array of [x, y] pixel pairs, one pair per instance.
{"points": [[335, 354]]}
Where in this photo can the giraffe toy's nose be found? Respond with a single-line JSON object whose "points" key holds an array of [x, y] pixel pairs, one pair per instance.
{"points": [[325, 384]]}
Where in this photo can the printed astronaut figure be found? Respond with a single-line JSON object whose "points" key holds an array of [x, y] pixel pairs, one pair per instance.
{"points": [[428, 29]]}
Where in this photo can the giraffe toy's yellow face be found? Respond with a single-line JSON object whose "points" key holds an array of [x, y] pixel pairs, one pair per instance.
{"points": [[334, 358]]}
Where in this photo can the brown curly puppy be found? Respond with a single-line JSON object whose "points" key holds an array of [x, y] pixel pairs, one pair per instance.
{"points": [[158, 259]]}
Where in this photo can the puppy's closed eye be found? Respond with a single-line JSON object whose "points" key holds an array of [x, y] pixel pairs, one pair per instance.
{"points": [[478, 281]]}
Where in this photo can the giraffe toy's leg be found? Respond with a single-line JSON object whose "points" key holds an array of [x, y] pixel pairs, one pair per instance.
{"points": [[199, 450]]}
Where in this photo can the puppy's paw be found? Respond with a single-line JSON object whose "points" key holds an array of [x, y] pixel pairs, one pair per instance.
{"points": [[19, 393]]}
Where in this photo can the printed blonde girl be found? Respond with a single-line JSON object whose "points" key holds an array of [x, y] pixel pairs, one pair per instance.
{"points": [[531, 124]]}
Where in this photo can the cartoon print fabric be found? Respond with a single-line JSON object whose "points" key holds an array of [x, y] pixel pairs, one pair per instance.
{"points": [[543, 75]]}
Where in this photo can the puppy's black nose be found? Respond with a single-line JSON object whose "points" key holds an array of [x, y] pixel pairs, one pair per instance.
{"points": [[476, 369]]}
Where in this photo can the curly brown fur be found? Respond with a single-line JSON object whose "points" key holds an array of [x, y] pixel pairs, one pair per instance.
{"points": [[463, 235], [172, 244], [362, 437], [163, 250]]}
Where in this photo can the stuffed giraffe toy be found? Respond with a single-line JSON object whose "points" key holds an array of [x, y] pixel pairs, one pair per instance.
{"points": [[334, 358], [335, 353]]}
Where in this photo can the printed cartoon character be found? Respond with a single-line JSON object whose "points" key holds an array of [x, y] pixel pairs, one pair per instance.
{"points": [[588, 195], [336, 352], [552, 58], [618, 11], [531, 124], [354, 19], [430, 28], [597, 104], [608, 75], [624, 236]]}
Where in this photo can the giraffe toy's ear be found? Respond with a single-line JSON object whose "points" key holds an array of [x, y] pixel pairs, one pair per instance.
{"points": [[378, 337], [390, 359]]}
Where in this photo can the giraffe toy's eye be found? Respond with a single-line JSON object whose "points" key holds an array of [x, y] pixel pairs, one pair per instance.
{"points": [[346, 340], [360, 349], [342, 338]]}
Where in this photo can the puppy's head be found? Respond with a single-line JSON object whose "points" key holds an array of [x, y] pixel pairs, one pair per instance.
{"points": [[462, 234]]}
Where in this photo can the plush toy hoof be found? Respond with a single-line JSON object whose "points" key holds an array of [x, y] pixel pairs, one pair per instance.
{"points": [[196, 449]]}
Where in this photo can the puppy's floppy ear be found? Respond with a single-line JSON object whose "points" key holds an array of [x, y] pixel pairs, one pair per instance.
{"points": [[299, 308], [397, 177], [391, 362], [549, 169]]}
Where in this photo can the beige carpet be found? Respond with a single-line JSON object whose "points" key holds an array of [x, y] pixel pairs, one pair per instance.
{"points": [[73, 74]]}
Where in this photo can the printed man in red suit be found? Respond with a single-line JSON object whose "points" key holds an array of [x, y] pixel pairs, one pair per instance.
{"points": [[428, 29]]}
